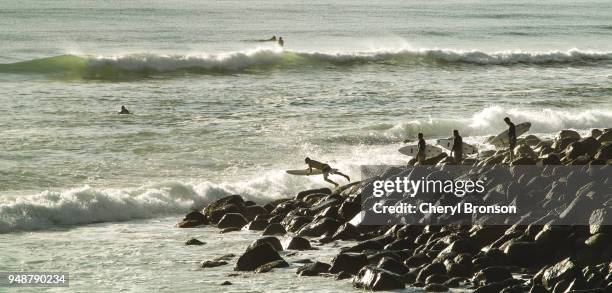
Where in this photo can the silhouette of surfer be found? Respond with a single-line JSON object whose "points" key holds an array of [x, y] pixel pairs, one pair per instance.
{"points": [[457, 149], [281, 42], [272, 39], [421, 152], [326, 169], [511, 136], [124, 110]]}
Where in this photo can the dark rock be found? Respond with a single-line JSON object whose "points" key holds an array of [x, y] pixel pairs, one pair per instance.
{"points": [[313, 269], [232, 220], [346, 232], [270, 240], [274, 229], [525, 254], [255, 257], [599, 219], [194, 241], [436, 279], [193, 219], [431, 269], [492, 275], [563, 270], [302, 194], [212, 263], [392, 265], [348, 262], [298, 243], [343, 275], [377, 279], [320, 227], [253, 211], [271, 265], [604, 153], [365, 245], [256, 225], [348, 210], [457, 270], [232, 199], [298, 223], [416, 260], [226, 283], [436, 288]]}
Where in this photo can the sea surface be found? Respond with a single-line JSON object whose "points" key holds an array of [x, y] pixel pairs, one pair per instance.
{"points": [[217, 111]]}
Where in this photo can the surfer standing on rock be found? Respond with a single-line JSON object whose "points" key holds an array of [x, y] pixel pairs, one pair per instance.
{"points": [[421, 153], [511, 136], [457, 149], [326, 169]]}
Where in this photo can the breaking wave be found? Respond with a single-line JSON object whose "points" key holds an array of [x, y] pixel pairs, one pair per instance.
{"points": [[140, 65]]}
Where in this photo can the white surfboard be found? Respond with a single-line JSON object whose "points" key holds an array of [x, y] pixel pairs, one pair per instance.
{"points": [[502, 138], [411, 150], [304, 172], [447, 143]]}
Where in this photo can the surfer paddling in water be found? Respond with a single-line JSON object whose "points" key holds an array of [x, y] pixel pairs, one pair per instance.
{"points": [[326, 169]]}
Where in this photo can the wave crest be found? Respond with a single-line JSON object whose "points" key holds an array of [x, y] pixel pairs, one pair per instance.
{"points": [[134, 65]]}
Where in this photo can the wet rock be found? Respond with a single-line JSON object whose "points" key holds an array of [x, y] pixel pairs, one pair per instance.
{"points": [[436, 279], [194, 241], [232, 220], [256, 225], [313, 269], [302, 194], [392, 265], [270, 240], [219, 204], [561, 145], [298, 243], [453, 282], [492, 275], [271, 265], [212, 263], [436, 288], [349, 209], [298, 223], [346, 232], [457, 270], [416, 260], [253, 211], [587, 146], [525, 254], [274, 229], [348, 262], [226, 283], [605, 137], [431, 269], [193, 219], [566, 133], [563, 270], [255, 257], [376, 279], [365, 245], [604, 153], [320, 227]]}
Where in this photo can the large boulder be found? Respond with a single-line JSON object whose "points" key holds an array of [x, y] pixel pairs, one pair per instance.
{"points": [[566, 133], [563, 270], [377, 279], [302, 194], [348, 262], [274, 229], [232, 220], [587, 146], [256, 225], [492, 275], [270, 240], [604, 153], [346, 232], [525, 254], [219, 204], [605, 137], [193, 219], [392, 265], [273, 264], [256, 256], [297, 243], [320, 227]]}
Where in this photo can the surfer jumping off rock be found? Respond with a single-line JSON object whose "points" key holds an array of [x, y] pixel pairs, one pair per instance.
{"points": [[326, 169]]}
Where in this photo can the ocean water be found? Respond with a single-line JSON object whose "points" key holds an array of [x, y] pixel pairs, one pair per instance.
{"points": [[217, 112]]}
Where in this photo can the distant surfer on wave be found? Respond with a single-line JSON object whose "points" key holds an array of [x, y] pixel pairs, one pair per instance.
{"points": [[511, 136], [272, 39], [124, 110], [281, 42], [325, 168]]}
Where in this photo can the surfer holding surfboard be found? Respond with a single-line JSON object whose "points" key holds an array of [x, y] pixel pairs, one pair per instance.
{"points": [[511, 136], [457, 149], [325, 169]]}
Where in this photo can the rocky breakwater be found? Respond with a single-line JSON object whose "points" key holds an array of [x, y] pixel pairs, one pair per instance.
{"points": [[540, 254]]}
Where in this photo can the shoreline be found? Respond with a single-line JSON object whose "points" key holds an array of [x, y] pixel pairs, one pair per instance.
{"points": [[538, 254]]}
